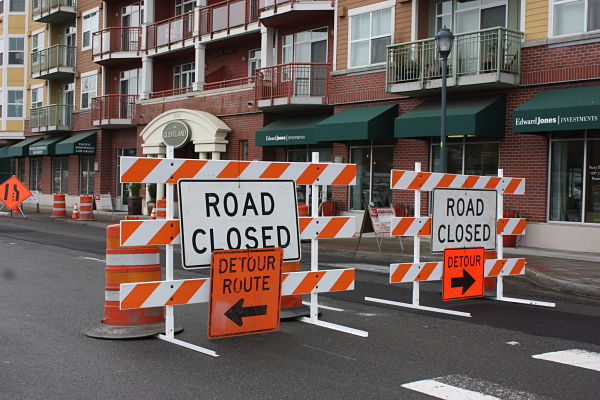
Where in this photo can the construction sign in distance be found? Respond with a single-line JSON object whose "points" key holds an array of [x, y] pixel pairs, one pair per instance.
{"points": [[13, 192], [245, 292], [463, 273]]}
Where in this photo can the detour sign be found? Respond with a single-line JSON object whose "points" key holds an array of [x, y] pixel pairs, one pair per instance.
{"points": [[245, 291], [463, 273]]}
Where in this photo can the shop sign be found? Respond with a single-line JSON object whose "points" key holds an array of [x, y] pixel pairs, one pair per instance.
{"points": [[381, 218], [176, 133], [556, 122], [103, 202], [41, 150], [84, 148], [285, 139], [463, 218]]}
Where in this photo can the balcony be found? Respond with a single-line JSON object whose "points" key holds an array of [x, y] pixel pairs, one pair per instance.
{"points": [[171, 92], [228, 18], [291, 87], [118, 44], [53, 11], [55, 62], [172, 33], [114, 110], [230, 83], [274, 8], [53, 118], [488, 58]]}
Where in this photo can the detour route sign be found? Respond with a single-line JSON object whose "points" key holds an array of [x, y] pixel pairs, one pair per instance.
{"points": [[245, 292], [463, 273], [13, 192]]}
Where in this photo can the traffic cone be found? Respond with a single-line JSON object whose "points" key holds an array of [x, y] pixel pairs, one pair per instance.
{"points": [[75, 214], [153, 214]]}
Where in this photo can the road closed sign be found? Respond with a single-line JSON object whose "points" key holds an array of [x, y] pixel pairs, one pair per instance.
{"points": [[230, 215], [463, 218], [245, 292]]}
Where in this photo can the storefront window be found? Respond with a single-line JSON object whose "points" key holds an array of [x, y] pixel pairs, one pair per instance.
{"points": [[123, 188], [468, 156], [304, 154], [86, 174], [373, 166], [21, 170], [60, 174], [575, 178], [35, 173]]}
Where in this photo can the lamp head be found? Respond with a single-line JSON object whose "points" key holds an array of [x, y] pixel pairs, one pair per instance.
{"points": [[444, 40]]}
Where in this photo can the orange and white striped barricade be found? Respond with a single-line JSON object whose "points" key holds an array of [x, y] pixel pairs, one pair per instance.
{"points": [[170, 170], [161, 209], [59, 207], [85, 208], [419, 226]]}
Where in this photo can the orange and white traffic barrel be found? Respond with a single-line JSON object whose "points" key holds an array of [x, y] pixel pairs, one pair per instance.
{"points": [[59, 207], [85, 208], [128, 265], [161, 209]]}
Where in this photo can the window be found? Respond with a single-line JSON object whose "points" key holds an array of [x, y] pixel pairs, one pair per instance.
{"points": [[243, 150], [88, 90], [60, 174], [183, 6], [1, 51], [123, 188], [370, 33], [468, 156], [253, 61], [37, 41], [575, 16], [373, 164], [35, 172], [86, 177], [184, 75], [304, 154], [37, 97], [21, 169], [90, 25], [575, 177], [17, 5], [15, 50], [1, 6], [15, 104], [306, 46]]}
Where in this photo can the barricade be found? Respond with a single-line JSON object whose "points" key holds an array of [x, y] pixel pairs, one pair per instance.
{"points": [[85, 208], [59, 208], [161, 208], [417, 226], [126, 265]]}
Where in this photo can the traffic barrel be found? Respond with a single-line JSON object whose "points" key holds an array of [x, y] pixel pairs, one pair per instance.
{"points": [[75, 214], [161, 209], [85, 208], [59, 208], [128, 265]]}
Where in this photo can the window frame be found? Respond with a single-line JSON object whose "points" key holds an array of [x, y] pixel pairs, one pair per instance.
{"points": [[40, 101], [178, 75], [256, 60], [586, 17], [9, 51], [87, 75], [22, 104], [89, 15], [369, 9], [11, 11], [182, 4]]}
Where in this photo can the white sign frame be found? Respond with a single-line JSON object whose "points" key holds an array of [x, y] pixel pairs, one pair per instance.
{"points": [[102, 199], [489, 199], [285, 216]]}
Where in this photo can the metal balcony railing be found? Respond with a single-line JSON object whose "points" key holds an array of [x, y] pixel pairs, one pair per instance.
{"points": [[292, 80], [116, 39], [56, 56], [226, 15], [229, 83], [41, 8], [273, 4], [171, 92], [113, 107], [170, 31], [51, 118], [493, 50]]}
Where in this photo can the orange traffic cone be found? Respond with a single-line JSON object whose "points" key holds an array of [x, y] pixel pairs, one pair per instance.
{"points": [[153, 214], [75, 212]]}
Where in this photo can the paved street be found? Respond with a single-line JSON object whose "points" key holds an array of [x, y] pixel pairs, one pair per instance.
{"points": [[51, 285]]}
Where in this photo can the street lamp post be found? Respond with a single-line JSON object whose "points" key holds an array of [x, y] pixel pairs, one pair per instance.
{"points": [[444, 39]]}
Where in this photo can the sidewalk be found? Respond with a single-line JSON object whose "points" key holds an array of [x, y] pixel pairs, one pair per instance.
{"points": [[568, 272]]}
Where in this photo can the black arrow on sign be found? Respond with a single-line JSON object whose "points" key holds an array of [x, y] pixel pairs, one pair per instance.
{"points": [[238, 311], [466, 281]]}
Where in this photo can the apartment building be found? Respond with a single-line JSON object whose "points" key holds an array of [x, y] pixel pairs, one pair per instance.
{"points": [[355, 80]]}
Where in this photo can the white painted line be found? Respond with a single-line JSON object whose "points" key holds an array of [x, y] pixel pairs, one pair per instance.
{"points": [[307, 303], [574, 357], [93, 259], [442, 391]]}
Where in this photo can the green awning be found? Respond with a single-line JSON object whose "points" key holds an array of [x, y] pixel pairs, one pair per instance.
{"points": [[83, 143], [483, 116], [358, 123], [289, 131], [4, 152], [559, 110], [44, 147], [21, 149]]}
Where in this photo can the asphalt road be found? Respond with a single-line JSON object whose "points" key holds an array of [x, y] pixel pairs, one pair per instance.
{"points": [[51, 287]]}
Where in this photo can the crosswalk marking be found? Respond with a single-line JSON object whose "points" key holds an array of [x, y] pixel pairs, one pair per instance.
{"points": [[459, 387], [574, 357]]}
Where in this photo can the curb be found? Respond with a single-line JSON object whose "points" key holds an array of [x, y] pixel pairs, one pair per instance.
{"points": [[561, 285]]}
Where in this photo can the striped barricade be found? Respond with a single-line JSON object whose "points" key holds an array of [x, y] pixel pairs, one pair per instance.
{"points": [[427, 181], [410, 226], [193, 291], [432, 271], [170, 170]]}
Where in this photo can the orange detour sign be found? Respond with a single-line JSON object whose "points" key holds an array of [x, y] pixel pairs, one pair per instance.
{"points": [[463, 273], [245, 291], [13, 192]]}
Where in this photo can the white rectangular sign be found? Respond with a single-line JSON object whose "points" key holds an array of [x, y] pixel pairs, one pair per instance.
{"points": [[463, 218], [245, 214], [103, 202], [34, 198]]}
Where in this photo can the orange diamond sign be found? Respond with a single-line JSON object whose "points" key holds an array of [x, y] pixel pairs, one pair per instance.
{"points": [[13, 192]]}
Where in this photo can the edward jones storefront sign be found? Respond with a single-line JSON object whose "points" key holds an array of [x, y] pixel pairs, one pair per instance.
{"points": [[285, 139], [553, 122]]}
